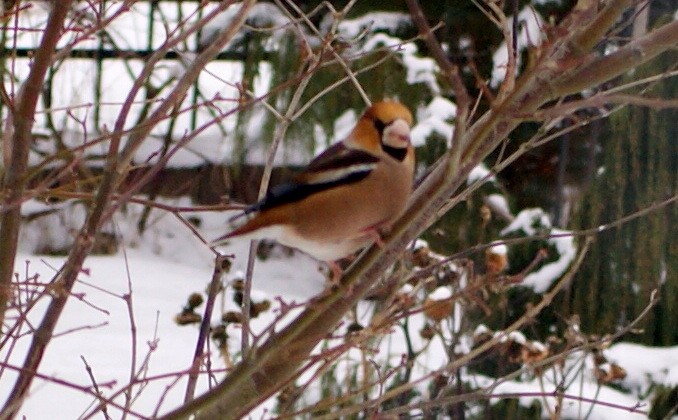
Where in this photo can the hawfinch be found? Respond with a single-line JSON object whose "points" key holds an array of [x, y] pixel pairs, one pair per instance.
{"points": [[349, 192]]}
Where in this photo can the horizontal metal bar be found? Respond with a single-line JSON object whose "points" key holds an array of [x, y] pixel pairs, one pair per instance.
{"points": [[95, 54]]}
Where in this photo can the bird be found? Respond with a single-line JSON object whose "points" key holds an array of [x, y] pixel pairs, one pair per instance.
{"points": [[346, 196]]}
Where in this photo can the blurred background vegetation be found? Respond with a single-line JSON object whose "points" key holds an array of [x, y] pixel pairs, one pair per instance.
{"points": [[591, 176]]}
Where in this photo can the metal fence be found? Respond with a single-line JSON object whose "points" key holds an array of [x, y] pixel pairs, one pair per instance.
{"points": [[84, 90]]}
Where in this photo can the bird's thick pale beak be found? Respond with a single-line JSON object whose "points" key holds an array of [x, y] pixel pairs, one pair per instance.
{"points": [[397, 134]]}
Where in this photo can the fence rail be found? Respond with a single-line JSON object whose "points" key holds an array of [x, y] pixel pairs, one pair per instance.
{"points": [[141, 54]]}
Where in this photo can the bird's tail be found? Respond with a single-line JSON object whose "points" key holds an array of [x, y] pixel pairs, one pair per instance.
{"points": [[238, 225]]}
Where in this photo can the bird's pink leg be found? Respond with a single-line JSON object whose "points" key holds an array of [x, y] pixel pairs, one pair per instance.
{"points": [[373, 232], [336, 271]]}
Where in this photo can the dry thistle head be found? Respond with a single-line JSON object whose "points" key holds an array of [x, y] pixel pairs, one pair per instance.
{"points": [[533, 352], [187, 315], [609, 372], [481, 335], [354, 327], [427, 332], [439, 304], [220, 336], [195, 300], [231, 317], [187, 318], [258, 307], [495, 262]]}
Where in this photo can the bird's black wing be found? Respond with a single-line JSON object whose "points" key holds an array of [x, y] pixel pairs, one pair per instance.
{"points": [[336, 166]]}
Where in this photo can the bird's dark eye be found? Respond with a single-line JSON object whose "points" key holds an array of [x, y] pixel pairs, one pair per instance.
{"points": [[380, 126]]}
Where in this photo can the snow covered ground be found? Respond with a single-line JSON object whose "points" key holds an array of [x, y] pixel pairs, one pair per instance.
{"points": [[166, 264], [158, 271]]}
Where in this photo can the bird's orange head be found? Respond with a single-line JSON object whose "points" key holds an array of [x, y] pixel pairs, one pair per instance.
{"points": [[383, 126]]}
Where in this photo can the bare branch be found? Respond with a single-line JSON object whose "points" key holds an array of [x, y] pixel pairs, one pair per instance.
{"points": [[18, 148], [215, 286], [592, 32], [450, 71], [597, 101], [631, 55]]}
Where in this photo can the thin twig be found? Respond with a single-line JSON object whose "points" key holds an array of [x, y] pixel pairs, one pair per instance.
{"points": [[129, 304], [220, 265], [451, 71], [326, 41], [95, 385], [263, 188]]}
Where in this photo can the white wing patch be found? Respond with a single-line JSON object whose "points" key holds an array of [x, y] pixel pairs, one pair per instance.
{"points": [[335, 175]]}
